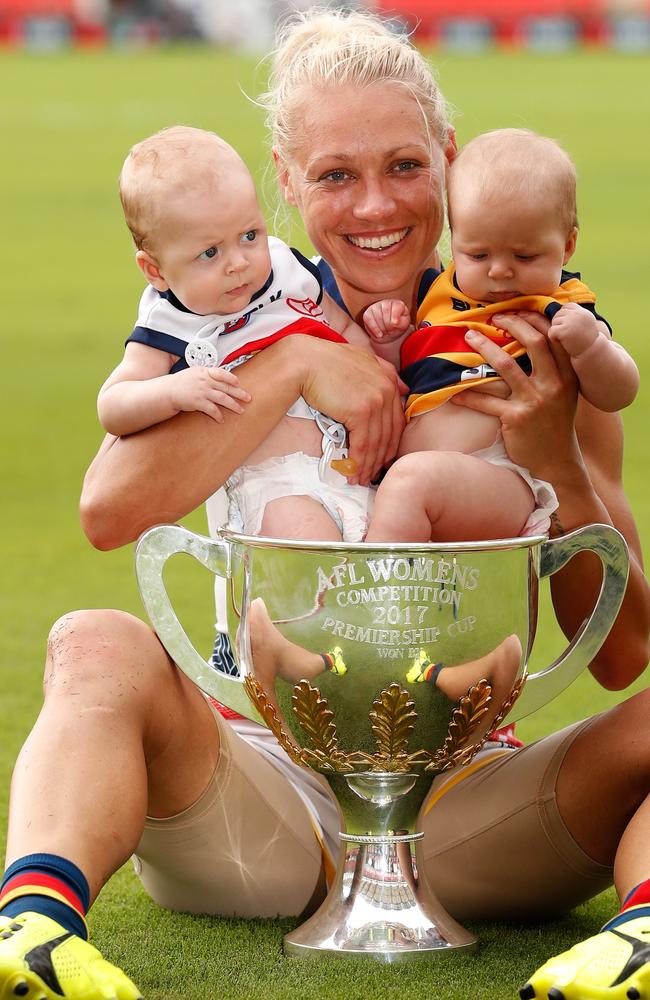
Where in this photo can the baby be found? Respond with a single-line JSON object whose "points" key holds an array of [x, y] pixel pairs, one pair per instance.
{"points": [[512, 214], [219, 290]]}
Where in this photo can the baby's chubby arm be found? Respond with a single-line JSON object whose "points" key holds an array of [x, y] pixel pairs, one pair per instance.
{"points": [[609, 378], [141, 392], [388, 323]]}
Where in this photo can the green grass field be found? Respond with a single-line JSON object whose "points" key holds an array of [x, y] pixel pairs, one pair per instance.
{"points": [[70, 291]]}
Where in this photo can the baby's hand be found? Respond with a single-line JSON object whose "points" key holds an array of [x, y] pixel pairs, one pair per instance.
{"points": [[387, 320], [206, 390], [575, 328]]}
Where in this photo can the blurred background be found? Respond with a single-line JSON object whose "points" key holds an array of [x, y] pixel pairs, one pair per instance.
{"points": [[80, 82], [248, 25]]}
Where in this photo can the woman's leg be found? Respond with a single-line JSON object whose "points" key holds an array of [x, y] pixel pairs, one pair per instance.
{"points": [[448, 496], [603, 798], [556, 817], [122, 733], [603, 788], [276, 656], [499, 667], [247, 847]]}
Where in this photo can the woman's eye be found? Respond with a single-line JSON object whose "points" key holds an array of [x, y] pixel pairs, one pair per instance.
{"points": [[208, 254], [250, 236], [337, 176], [404, 166]]}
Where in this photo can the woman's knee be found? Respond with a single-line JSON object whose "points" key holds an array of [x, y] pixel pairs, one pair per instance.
{"points": [[93, 646]]}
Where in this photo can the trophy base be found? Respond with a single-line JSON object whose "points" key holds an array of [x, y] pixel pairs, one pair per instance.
{"points": [[378, 908]]}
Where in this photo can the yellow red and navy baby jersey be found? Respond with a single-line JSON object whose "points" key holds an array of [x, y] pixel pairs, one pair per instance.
{"points": [[436, 361]]}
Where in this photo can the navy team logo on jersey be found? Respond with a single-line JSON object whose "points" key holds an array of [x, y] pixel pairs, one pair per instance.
{"points": [[306, 307], [236, 324]]}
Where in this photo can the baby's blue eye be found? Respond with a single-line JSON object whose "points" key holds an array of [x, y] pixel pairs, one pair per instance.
{"points": [[250, 236], [208, 254]]}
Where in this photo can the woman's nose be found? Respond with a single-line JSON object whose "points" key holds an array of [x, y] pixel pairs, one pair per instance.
{"points": [[374, 201]]}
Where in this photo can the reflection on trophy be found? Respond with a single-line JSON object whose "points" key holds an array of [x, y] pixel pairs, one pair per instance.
{"points": [[381, 667]]}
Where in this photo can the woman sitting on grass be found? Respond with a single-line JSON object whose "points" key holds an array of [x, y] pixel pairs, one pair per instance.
{"points": [[361, 141]]}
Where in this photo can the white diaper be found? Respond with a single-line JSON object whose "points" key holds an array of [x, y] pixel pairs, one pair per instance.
{"points": [[252, 487], [545, 499]]}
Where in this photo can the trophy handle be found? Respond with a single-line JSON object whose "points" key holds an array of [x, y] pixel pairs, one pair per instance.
{"points": [[152, 552], [611, 548]]}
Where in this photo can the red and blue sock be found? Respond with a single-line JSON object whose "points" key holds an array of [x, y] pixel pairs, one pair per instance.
{"points": [[50, 885], [636, 904]]}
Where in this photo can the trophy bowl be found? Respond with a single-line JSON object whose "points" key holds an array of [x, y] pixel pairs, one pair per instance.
{"points": [[381, 667]]}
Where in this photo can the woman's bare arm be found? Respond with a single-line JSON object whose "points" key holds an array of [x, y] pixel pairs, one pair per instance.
{"points": [[596, 495], [580, 453], [160, 474]]}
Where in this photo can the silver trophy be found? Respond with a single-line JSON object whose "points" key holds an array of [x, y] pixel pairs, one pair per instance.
{"points": [[381, 667]]}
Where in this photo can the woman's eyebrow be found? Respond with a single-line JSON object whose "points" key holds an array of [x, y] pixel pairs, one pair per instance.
{"points": [[328, 157], [341, 157]]}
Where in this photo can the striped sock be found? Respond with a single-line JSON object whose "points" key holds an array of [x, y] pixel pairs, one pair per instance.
{"points": [[430, 672], [636, 904], [47, 884]]}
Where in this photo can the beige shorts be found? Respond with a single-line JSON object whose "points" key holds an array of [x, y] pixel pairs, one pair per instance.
{"points": [[494, 846]]}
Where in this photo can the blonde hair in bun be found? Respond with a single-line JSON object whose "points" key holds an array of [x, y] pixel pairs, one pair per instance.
{"points": [[346, 48]]}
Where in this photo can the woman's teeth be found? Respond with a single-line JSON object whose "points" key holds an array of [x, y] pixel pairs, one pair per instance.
{"points": [[378, 242]]}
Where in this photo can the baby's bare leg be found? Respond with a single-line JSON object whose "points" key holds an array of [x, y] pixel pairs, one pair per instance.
{"points": [[448, 496], [299, 517]]}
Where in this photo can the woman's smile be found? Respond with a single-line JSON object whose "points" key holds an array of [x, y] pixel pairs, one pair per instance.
{"points": [[378, 241]]}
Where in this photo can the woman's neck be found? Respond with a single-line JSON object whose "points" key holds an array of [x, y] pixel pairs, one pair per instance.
{"points": [[357, 300]]}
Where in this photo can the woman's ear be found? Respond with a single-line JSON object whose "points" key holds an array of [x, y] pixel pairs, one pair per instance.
{"points": [[451, 148], [151, 271], [284, 177], [570, 247]]}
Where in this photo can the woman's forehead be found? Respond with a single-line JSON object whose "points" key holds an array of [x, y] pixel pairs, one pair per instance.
{"points": [[345, 122]]}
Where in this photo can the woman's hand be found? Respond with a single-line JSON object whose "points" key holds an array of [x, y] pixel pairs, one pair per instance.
{"points": [[160, 474], [363, 393], [538, 421], [538, 416]]}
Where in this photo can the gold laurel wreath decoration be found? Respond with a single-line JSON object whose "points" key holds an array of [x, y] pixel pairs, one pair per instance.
{"points": [[258, 696], [315, 717], [392, 721], [466, 718], [517, 688], [317, 720]]}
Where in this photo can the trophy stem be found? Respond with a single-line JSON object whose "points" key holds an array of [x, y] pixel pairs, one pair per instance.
{"points": [[378, 906]]}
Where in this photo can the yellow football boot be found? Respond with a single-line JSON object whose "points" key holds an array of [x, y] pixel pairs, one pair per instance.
{"points": [[612, 965], [41, 960], [422, 669], [335, 661]]}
